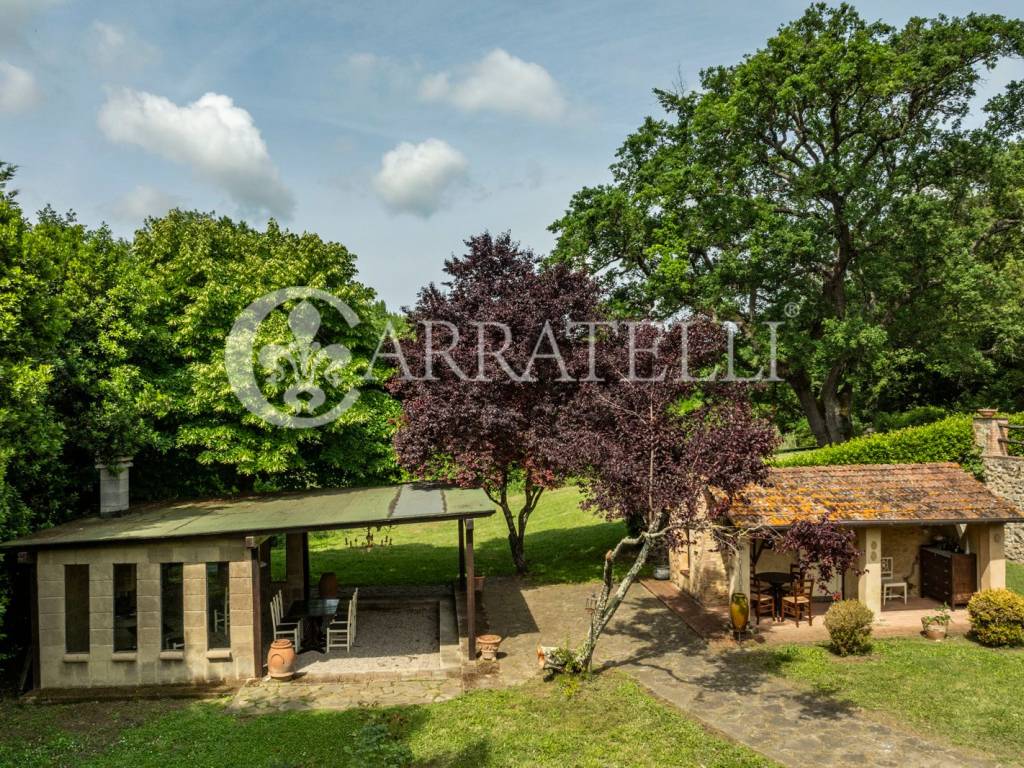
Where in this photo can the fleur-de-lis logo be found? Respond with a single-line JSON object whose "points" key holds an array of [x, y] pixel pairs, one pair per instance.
{"points": [[305, 360], [301, 364]]}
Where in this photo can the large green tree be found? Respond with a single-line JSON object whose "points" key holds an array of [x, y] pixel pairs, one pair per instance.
{"points": [[830, 181], [197, 273]]}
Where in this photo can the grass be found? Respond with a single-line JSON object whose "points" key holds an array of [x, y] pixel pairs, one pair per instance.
{"points": [[604, 721], [563, 544], [1015, 577], [956, 689]]}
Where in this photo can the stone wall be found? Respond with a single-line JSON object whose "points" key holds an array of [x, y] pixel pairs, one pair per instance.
{"points": [[1004, 475], [101, 666]]}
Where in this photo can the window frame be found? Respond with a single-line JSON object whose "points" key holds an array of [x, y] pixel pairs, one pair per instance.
{"points": [[223, 567], [180, 607], [83, 608], [133, 613]]}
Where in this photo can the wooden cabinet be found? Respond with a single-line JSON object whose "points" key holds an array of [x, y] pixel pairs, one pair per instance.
{"points": [[948, 577]]}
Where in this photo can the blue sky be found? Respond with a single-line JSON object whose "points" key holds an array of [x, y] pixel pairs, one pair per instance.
{"points": [[397, 129]]}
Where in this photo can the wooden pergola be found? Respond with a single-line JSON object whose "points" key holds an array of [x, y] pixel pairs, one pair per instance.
{"points": [[249, 524]]}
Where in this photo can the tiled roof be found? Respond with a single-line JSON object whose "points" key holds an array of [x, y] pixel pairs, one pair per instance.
{"points": [[865, 493]]}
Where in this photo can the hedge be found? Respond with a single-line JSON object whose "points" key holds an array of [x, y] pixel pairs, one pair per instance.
{"points": [[949, 439]]}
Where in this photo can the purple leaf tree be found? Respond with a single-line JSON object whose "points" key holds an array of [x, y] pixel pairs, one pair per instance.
{"points": [[492, 362], [650, 442]]}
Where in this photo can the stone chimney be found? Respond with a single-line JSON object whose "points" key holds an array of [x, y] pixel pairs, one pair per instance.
{"points": [[1004, 474], [114, 499]]}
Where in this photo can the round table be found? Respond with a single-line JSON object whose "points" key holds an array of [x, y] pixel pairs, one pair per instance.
{"points": [[778, 581]]}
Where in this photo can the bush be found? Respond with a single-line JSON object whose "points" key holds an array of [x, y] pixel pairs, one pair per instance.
{"points": [[849, 626], [997, 617], [950, 439]]}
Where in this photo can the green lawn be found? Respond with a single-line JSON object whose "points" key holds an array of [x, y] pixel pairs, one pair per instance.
{"points": [[1015, 577], [957, 689], [563, 544], [606, 721]]}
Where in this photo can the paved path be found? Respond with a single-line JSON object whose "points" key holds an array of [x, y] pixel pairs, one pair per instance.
{"points": [[797, 728]]}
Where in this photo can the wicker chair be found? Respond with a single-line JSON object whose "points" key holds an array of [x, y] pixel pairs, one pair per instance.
{"points": [[800, 602], [763, 600]]}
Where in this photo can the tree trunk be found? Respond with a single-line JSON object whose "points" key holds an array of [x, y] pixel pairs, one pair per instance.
{"points": [[608, 602], [829, 412], [801, 385], [517, 521]]}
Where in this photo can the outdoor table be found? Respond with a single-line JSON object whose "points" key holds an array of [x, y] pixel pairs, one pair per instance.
{"points": [[777, 580], [314, 614]]}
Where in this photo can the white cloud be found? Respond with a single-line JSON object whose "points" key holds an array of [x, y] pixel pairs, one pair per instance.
{"points": [[141, 202], [499, 82], [18, 89], [416, 178], [111, 46], [218, 140]]}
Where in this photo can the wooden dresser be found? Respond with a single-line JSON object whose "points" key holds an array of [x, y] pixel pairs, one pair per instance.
{"points": [[948, 577]]}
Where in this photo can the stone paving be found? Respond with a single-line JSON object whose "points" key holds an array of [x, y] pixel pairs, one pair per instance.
{"points": [[798, 728], [795, 727]]}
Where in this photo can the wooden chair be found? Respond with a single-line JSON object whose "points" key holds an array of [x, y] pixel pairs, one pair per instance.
{"points": [[341, 632], [284, 628], [799, 602], [763, 600]]}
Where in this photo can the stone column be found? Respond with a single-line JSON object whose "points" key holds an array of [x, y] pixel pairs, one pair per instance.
{"points": [[991, 558], [295, 567], [869, 583]]}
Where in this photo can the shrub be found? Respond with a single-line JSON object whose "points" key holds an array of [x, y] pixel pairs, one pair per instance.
{"points": [[849, 626], [997, 617]]}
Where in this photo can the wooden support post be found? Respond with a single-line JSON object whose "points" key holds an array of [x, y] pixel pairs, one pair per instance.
{"points": [[257, 613], [305, 565], [462, 553], [470, 592]]}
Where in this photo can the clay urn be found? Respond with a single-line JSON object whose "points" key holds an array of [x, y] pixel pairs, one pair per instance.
{"points": [[488, 645], [281, 659]]}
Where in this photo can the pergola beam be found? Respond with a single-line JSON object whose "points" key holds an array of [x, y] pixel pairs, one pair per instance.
{"points": [[470, 592]]}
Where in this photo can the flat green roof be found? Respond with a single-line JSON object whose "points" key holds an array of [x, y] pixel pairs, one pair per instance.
{"points": [[269, 514]]}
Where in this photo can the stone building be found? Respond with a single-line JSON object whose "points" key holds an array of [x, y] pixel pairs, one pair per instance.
{"points": [[180, 593], [1004, 474], [901, 514]]}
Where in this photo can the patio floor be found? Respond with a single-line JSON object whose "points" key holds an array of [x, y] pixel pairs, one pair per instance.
{"points": [[712, 622]]}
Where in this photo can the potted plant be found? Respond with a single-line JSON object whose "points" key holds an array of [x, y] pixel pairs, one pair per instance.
{"points": [[488, 645], [739, 611], [936, 625]]}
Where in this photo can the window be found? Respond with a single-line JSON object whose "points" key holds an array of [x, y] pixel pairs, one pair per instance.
{"points": [[126, 623], [172, 607], [76, 608], [218, 629]]}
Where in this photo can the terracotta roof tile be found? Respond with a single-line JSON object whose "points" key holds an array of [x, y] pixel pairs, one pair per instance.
{"points": [[864, 493]]}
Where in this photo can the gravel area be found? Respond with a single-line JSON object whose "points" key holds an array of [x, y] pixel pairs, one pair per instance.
{"points": [[387, 639]]}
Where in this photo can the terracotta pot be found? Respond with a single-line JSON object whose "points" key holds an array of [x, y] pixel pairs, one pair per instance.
{"points": [[478, 583], [739, 611], [935, 632], [281, 660], [488, 645], [987, 413], [328, 586]]}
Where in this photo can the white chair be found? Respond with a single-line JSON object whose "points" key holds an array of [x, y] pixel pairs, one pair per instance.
{"points": [[341, 633], [890, 588], [290, 630]]}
